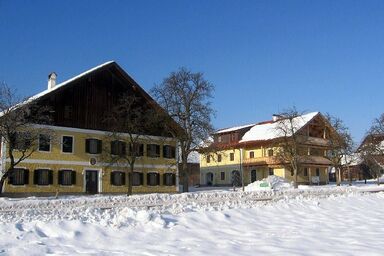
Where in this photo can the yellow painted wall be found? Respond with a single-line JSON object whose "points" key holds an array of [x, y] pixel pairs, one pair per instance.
{"points": [[79, 161]]}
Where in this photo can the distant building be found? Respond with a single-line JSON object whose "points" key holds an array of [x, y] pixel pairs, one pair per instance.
{"points": [[252, 149]]}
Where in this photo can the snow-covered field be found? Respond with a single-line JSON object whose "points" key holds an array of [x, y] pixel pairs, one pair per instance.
{"points": [[324, 220]]}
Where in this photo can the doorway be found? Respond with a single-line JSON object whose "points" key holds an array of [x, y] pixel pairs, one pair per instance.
{"points": [[91, 182]]}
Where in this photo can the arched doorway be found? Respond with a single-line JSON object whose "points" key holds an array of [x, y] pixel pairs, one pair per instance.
{"points": [[236, 178], [209, 178], [253, 176]]}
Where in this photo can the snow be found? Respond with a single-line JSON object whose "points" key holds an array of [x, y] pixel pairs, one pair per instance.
{"points": [[268, 131], [194, 157], [317, 220], [271, 182], [235, 128]]}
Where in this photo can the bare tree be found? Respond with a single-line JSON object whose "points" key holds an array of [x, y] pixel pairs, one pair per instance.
{"points": [[18, 129], [340, 147], [185, 96], [131, 122], [372, 148], [289, 141]]}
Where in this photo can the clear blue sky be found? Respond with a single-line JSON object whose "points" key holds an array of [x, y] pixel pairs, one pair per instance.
{"points": [[262, 56]]}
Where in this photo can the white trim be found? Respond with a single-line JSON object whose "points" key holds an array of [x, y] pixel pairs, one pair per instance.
{"points": [[63, 162], [62, 143], [100, 132]]}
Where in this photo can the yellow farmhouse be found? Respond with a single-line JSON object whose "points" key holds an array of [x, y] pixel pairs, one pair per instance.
{"points": [[252, 149], [72, 162]]}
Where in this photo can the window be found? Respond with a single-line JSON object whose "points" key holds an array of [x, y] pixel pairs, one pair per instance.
{"points": [[270, 152], [153, 179], [67, 144], [117, 178], [208, 159], [93, 146], [136, 149], [251, 154], [169, 151], [67, 177], [169, 179], [118, 148], [44, 143], [219, 139], [305, 171], [233, 137], [137, 179], [219, 158], [18, 177], [270, 171], [43, 177], [231, 156], [317, 172], [222, 175], [153, 150]]}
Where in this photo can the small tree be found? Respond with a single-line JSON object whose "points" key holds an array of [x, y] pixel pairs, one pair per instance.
{"points": [[185, 96], [18, 129], [289, 141], [131, 121], [340, 147]]}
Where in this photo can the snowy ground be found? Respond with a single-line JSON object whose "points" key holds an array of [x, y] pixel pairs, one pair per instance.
{"points": [[324, 220]]}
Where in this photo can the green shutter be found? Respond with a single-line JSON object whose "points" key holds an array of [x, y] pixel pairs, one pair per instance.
{"points": [[10, 177], [35, 177], [50, 177], [123, 178], [60, 178], [87, 146], [73, 177], [26, 176], [112, 178]]}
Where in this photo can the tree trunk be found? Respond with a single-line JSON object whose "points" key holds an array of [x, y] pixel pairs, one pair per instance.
{"points": [[338, 176], [2, 180], [129, 182], [349, 176], [185, 175], [295, 185]]}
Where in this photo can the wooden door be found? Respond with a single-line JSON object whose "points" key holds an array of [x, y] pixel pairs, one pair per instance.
{"points": [[92, 180]]}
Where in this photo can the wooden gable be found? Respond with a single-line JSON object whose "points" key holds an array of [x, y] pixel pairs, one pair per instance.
{"points": [[84, 102]]}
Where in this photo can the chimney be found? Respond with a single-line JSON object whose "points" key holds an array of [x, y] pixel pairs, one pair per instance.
{"points": [[275, 117], [52, 80]]}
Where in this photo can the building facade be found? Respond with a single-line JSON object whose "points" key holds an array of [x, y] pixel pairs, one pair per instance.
{"points": [[251, 152], [72, 161]]}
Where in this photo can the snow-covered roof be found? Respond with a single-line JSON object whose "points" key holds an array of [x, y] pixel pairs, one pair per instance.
{"points": [[235, 128], [269, 130], [194, 157], [68, 81], [58, 86]]}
